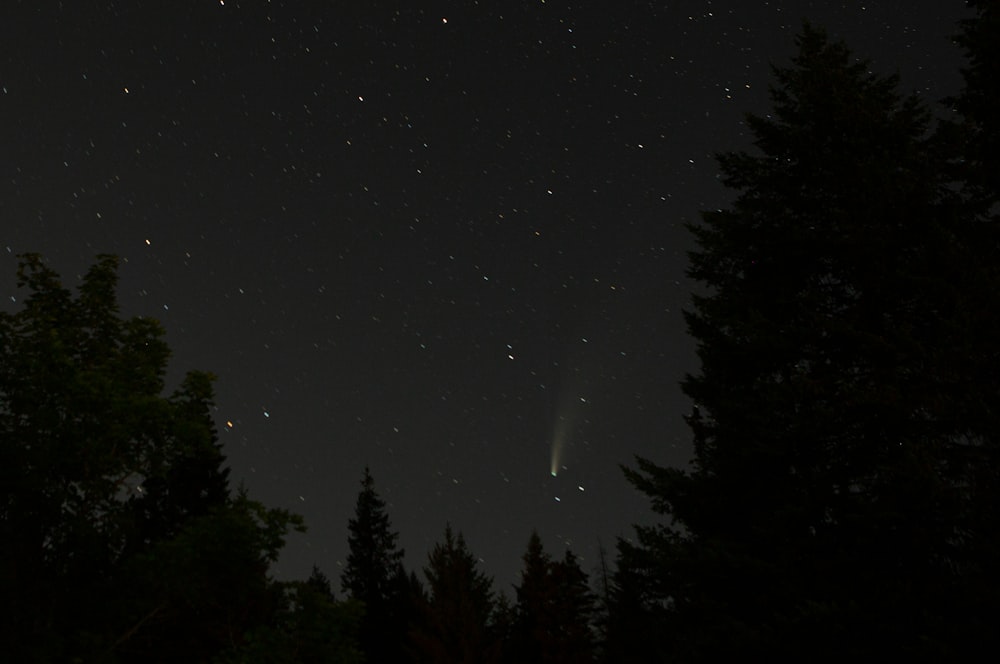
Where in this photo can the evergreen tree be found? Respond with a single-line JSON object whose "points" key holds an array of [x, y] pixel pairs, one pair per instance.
{"points": [[576, 604], [976, 170], [554, 609], [458, 614], [320, 582], [374, 575], [533, 617], [308, 627], [634, 612], [503, 623], [118, 534], [836, 452], [979, 106]]}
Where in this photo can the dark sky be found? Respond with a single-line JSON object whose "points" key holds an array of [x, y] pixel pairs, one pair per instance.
{"points": [[440, 239]]}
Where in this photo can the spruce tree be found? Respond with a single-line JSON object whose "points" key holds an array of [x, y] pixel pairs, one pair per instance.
{"points": [[457, 622], [975, 166], [534, 612], [978, 105], [576, 606], [554, 609], [374, 575], [634, 623], [827, 504]]}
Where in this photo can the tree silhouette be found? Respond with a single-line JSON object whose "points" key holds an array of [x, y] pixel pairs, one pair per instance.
{"points": [[836, 452], [634, 612], [118, 533], [457, 615], [374, 575], [979, 106], [554, 609], [309, 627], [975, 167]]}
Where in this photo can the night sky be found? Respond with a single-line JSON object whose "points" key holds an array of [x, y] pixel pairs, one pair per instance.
{"points": [[445, 240]]}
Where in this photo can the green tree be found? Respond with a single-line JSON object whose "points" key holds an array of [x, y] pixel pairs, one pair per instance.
{"points": [[458, 613], [118, 534], [374, 575], [836, 453]]}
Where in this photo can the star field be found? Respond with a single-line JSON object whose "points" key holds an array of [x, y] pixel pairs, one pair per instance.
{"points": [[439, 239]]}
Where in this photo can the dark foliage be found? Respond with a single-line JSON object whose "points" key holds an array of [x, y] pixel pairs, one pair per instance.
{"points": [[843, 501], [308, 627], [552, 619], [457, 622], [374, 575], [119, 537], [845, 412]]}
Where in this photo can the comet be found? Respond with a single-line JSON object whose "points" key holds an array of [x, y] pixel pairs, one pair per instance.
{"points": [[560, 433], [570, 405]]}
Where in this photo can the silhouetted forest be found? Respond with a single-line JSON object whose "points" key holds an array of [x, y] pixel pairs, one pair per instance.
{"points": [[842, 501]]}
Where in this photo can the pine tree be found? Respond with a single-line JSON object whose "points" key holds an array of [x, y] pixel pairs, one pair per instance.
{"points": [[374, 575], [833, 448]]}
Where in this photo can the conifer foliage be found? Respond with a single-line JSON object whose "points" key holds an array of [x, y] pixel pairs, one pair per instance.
{"points": [[374, 559], [457, 622], [840, 422], [554, 610], [374, 575], [979, 106]]}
